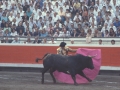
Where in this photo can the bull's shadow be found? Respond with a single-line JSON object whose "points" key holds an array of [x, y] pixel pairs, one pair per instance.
{"points": [[47, 82]]}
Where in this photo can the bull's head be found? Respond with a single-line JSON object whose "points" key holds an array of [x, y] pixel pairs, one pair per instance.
{"points": [[90, 63]]}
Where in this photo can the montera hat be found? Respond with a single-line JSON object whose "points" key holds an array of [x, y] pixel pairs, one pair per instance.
{"points": [[62, 44]]}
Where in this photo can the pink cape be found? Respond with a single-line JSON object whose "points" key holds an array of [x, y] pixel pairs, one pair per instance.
{"points": [[65, 78]]}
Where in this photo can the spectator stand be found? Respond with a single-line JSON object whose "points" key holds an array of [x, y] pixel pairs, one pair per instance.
{"points": [[74, 19]]}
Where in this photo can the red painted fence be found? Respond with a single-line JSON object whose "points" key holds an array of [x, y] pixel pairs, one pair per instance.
{"points": [[27, 54]]}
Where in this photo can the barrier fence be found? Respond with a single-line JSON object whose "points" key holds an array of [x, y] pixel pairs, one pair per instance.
{"points": [[26, 54], [77, 40]]}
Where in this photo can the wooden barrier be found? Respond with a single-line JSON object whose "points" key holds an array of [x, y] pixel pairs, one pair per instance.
{"points": [[27, 54]]}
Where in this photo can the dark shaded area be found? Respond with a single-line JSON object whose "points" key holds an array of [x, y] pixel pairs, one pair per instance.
{"points": [[28, 69]]}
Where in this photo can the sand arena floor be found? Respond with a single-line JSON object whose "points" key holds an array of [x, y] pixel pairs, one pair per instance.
{"points": [[32, 81]]}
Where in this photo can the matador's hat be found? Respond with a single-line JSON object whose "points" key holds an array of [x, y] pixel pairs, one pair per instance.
{"points": [[62, 44]]}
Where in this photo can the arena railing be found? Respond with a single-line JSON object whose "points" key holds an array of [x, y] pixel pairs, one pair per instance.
{"points": [[60, 39]]}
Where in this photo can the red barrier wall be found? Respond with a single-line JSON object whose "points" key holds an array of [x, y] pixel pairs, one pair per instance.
{"points": [[28, 54]]}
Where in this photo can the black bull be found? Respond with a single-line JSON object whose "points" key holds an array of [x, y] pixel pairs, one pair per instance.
{"points": [[67, 64]]}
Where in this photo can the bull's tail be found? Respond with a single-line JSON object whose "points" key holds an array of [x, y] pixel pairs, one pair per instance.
{"points": [[37, 59]]}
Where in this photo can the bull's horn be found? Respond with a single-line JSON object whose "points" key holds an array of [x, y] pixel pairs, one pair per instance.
{"points": [[92, 56]]}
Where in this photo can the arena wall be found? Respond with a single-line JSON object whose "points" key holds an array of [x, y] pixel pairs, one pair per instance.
{"points": [[24, 55]]}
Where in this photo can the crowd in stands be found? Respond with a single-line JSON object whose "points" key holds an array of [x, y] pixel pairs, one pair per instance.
{"points": [[60, 18]]}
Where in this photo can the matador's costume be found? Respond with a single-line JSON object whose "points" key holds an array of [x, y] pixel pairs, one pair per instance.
{"points": [[61, 50]]}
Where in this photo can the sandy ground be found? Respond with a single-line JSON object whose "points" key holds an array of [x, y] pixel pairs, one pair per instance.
{"points": [[32, 81]]}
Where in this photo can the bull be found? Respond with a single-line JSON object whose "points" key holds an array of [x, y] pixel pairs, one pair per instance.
{"points": [[74, 64]]}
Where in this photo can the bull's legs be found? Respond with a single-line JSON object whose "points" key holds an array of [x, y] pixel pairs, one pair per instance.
{"points": [[72, 73], [51, 73], [43, 72], [82, 74]]}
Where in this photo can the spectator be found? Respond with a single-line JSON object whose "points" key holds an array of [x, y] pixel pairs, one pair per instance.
{"points": [[66, 33], [18, 18], [113, 42], [61, 34], [14, 33], [44, 41], [65, 6], [36, 41], [28, 33], [25, 7], [56, 34], [77, 16], [76, 4], [50, 21], [13, 27], [26, 24], [21, 12], [108, 21], [28, 12], [20, 27], [98, 18], [101, 23], [72, 41], [31, 6], [21, 33], [79, 28], [14, 22], [117, 23], [97, 33], [34, 26], [74, 33], [57, 28], [1, 11], [7, 33], [112, 33], [86, 27], [106, 34], [15, 41], [85, 13], [82, 33], [1, 32], [14, 12], [4, 17], [3, 23], [51, 33], [100, 42], [72, 27], [114, 28], [61, 13], [52, 41], [67, 14], [28, 41], [105, 27], [46, 18], [11, 17], [7, 40], [44, 33], [7, 27], [77, 21], [25, 17], [96, 11], [93, 27], [89, 36], [50, 27], [117, 11], [36, 32], [118, 32], [43, 26]]}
